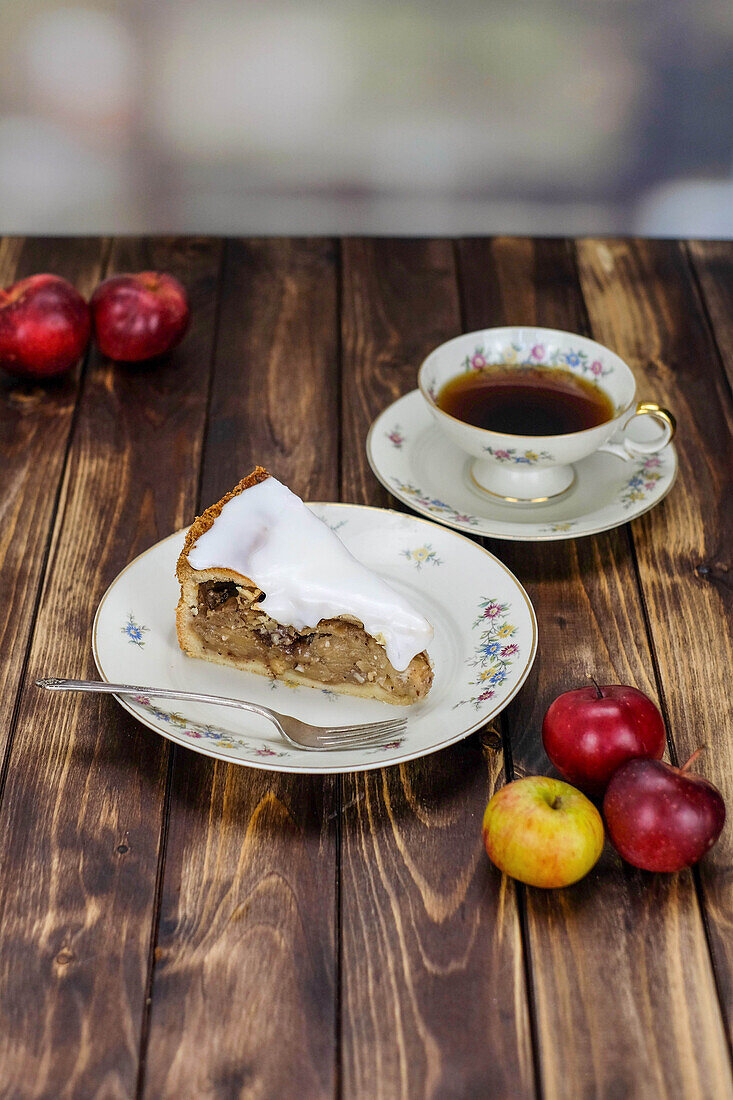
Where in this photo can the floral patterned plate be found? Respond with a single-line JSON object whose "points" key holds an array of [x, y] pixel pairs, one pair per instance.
{"points": [[424, 469], [484, 646]]}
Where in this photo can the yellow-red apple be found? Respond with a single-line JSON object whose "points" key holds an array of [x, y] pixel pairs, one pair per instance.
{"points": [[542, 831]]}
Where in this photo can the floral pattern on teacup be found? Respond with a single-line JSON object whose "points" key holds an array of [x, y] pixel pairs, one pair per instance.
{"points": [[535, 355], [495, 652], [524, 355], [513, 454]]}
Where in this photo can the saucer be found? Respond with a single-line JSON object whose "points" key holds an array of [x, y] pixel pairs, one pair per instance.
{"points": [[420, 466], [484, 645]]}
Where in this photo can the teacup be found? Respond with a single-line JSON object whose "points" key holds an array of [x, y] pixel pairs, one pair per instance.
{"points": [[531, 468]]}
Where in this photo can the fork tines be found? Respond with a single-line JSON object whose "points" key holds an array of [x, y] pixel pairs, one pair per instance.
{"points": [[373, 734]]}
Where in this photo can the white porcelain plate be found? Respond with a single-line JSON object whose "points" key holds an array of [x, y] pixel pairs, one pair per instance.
{"points": [[484, 646], [422, 468]]}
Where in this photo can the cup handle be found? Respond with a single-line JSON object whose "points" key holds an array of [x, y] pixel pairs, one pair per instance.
{"points": [[633, 448]]}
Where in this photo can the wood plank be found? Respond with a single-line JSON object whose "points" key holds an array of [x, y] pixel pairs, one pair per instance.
{"points": [[712, 263], [434, 1000], [245, 982], [623, 986], [81, 815], [35, 421], [642, 300]]}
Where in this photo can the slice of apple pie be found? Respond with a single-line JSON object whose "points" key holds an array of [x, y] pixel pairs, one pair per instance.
{"points": [[267, 587]]}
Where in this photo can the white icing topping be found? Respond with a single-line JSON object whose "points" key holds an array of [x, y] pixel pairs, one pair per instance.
{"points": [[266, 533]]}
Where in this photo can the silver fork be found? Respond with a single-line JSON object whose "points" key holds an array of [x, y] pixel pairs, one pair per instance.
{"points": [[300, 734]]}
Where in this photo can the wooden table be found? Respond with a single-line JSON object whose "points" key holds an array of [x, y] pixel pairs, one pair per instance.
{"points": [[175, 927]]}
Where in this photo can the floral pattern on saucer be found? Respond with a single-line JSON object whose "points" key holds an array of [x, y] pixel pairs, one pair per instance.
{"points": [[433, 505], [643, 481], [395, 437], [432, 476], [494, 652]]}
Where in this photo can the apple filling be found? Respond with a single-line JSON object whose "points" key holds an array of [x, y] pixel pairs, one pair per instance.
{"points": [[229, 621]]}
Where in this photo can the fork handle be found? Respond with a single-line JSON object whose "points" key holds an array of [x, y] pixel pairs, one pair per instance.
{"points": [[101, 687]]}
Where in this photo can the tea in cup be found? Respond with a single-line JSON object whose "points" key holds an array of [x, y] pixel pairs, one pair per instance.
{"points": [[527, 403]]}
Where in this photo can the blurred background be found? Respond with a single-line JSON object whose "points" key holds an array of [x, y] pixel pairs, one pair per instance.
{"points": [[437, 117]]}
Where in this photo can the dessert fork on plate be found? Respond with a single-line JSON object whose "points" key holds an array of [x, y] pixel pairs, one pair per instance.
{"points": [[301, 735]]}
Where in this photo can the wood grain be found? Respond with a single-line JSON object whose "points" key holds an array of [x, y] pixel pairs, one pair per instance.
{"points": [[623, 987], [434, 1001], [35, 421], [245, 982], [83, 802], [712, 262], [642, 300]]}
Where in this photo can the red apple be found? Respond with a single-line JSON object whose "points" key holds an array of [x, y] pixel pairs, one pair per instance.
{"points": [[140, 316], [44, 326], [661, 818], [542, 832], [590, 732]]}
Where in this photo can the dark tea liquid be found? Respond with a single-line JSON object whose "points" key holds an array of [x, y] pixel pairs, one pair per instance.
{"points": [[525, 400]]}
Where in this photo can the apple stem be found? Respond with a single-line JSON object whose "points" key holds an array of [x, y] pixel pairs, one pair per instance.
{"points": [[600, 693], [692, 759]]}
